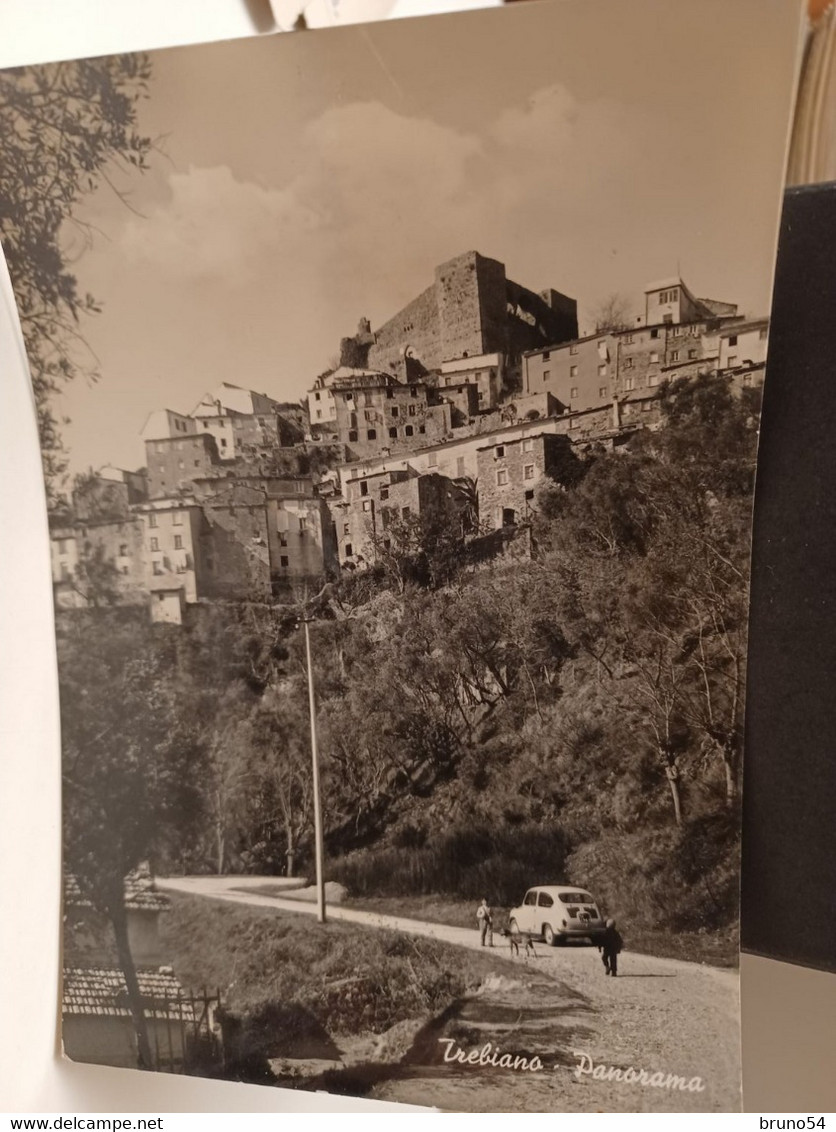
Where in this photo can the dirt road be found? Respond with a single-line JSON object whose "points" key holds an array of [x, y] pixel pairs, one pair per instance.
{"points": [[663, 1016]]}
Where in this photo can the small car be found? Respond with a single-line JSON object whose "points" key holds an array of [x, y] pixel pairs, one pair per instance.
{"points": [[558, 912]]}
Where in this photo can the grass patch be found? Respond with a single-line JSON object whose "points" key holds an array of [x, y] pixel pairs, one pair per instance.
{"points": [[345, 978]]}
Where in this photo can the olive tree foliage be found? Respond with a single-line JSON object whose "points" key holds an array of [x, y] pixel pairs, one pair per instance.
{"points": [[65, 129]]}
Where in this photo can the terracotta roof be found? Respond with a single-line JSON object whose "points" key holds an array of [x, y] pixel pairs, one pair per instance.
{"points": [[101, 990], [140, 893]]}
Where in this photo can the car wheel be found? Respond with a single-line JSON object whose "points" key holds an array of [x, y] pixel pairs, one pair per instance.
{"points": [[512, 926], [549, 936]]}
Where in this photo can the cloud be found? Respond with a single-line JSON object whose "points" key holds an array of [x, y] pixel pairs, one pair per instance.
{"points": [[381, 198]]}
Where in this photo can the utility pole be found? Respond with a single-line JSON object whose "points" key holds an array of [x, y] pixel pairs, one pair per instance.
{"points": [[318, 843]]}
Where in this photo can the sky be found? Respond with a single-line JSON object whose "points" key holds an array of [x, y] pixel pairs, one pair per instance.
{"points": [[302, 182]]}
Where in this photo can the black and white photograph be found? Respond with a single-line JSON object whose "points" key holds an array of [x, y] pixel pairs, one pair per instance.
{"points": [[398, 391]]}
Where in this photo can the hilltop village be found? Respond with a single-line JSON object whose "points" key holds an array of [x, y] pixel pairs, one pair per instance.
{"points": [[458, 407]]}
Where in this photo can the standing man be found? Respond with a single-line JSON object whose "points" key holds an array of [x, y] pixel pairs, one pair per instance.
{"points": [[484, 918], [609, 945]]}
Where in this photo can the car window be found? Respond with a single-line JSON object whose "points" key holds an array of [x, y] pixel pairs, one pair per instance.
{"points": [[544, 900], [530, 898], [576, 898]]}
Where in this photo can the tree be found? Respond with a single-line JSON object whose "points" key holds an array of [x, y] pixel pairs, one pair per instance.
{"points": [[611, 313], [64, 130], [132, 763]]}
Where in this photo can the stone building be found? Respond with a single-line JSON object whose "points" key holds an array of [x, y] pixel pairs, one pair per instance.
{"points": [[743, 345], [372, 505], [173, 462], [484, 371], [470, 310], [509, 473], [377, 413], [238, 420], [678, 336], [98, 562], [178, 569]]}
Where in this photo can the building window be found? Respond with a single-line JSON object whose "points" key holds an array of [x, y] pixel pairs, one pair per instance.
{"points": [[284, 561], [647, 406], [405, 513], [422, 428], [205, 424], [364, 487], [432, 460], [732, 339], [527, 445], [123, 550], [346, 528], [409, 430], [654, 333], [628, 363], [653, 379], [395, 410], [528, 472], [319, 414], [413, 392], [158, 568], [177, 518], [501, 477], [317, 397], [367, 504], [348, 550], [674, 355], [349, 396], [573, 349], [546, 355], [573, 393], [371, 434], [692, 354], [299, 487], [152, 520], [393, 433], [732, 360], [574, 423], [573, 371], [654, 357], [155, 544], [500, 451], [178, 542], [384, 493], [282, 539], [352, 436], [411, 410], [546, 374], [628, 339], [628, 383], [602, 391], [390, 393], [602, 371]]}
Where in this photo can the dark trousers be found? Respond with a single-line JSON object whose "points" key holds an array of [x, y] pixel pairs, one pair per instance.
{"points": [[610, 961]]}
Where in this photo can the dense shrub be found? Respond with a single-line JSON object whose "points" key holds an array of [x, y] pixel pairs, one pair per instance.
{"points": [[495, 863], [671, 879]]}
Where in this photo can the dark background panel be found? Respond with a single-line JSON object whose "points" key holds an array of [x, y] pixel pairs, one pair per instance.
{"points": [[789, 807]]}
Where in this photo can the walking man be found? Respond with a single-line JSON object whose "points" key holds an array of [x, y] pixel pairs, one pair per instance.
{"points": [[609, 944], [484, 918]]}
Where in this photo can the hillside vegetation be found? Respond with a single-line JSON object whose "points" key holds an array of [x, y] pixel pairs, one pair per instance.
{"points": [[572, 715]]}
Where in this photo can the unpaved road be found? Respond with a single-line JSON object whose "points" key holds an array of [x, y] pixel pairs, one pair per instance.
{"points": [[659, 1015]]}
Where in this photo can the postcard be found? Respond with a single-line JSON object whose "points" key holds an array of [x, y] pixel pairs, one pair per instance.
{"points": [[398, 393]]}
